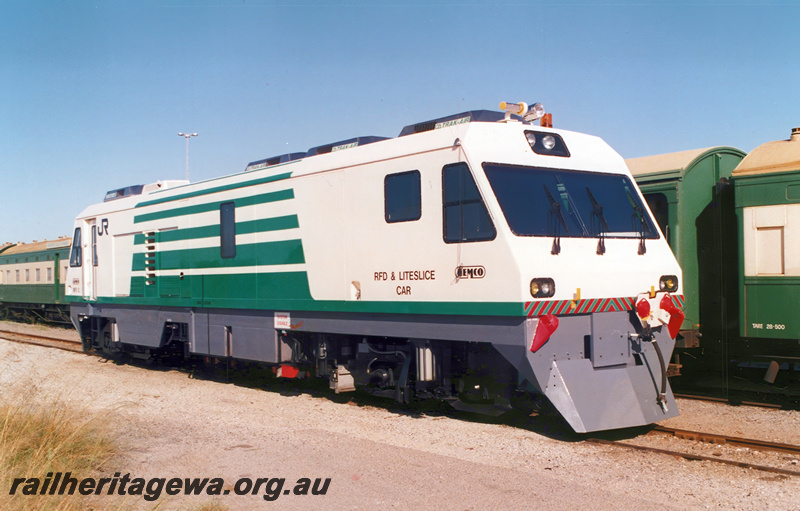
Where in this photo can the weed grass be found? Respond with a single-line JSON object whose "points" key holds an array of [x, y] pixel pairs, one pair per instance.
{"points": [[38, 437]]}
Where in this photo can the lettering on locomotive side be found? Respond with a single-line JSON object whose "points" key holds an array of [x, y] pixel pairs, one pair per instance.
{"points": [[470, 272], [417, 275], [405, 275], [103, 229]]}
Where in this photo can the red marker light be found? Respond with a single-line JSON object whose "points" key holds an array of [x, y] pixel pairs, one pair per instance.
{"points": [[675, 315], [287, 371], [643, 308], [544, 329]]}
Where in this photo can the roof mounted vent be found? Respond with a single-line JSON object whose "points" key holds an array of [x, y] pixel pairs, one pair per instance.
{"points": [[452, 120], [120, 193], [344, 144], [795, 134], [275, 160]]}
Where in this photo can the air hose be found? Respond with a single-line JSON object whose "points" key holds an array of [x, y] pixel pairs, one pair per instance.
{"points": [[662, 397]]}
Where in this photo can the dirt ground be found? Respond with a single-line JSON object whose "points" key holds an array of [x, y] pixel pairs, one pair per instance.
{"points": [[377, 457]]}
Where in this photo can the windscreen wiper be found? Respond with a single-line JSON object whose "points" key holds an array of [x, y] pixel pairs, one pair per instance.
{"points": [[602, 225], [638, 214], [555, 211]]}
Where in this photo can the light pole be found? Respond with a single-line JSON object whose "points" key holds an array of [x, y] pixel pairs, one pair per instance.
{"points": [[187, 136]]}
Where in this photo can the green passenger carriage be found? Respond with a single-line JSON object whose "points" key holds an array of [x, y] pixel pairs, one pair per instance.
{"points": [[683, 190], [767, 186], [733, 222], [32, 280]]}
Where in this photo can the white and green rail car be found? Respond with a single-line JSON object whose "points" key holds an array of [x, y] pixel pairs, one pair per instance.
{"points": [[471, 257]]}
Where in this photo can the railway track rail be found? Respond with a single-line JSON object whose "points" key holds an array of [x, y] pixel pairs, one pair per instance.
{"points": [[727, 401], [713, 438], [41, 340], [698, 457], [690, 436], [716, 439]]}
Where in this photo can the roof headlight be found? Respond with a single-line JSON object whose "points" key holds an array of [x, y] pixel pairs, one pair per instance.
{"points": [[535, 111], [544, 143]]}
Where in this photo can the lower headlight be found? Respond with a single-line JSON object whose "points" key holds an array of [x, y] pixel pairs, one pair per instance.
{"points": [[543, 288], [668, 283]]}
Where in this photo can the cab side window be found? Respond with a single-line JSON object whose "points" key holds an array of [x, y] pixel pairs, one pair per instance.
{"points": [[402, 197], [465, 216], [657, 202], [76, 255]]}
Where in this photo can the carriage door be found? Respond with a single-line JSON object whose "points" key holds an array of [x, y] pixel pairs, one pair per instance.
{"points": [[90, 260], [83, 258], [93, 283]]}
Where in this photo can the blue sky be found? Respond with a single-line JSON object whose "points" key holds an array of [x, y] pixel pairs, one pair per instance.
{"points": [[93, 94]]}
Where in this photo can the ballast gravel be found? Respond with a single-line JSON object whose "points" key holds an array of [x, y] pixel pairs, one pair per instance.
{"points": [[169, 425]]}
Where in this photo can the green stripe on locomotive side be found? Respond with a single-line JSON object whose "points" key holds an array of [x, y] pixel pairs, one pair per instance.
{"points": [[209, 231], [228, 290], [138, 262], [263, 198], [255, 254], [216, 189], [260, 286]]}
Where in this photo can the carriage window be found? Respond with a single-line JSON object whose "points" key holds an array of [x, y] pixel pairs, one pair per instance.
{"points": [[227, 230], [660, 209], [76, 255], [465, 216], [402, 197]]}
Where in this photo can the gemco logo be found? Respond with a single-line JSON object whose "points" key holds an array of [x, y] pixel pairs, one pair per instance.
{"points": [[470, 272]]}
